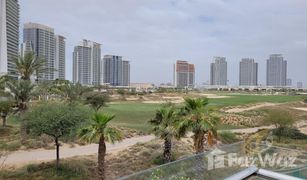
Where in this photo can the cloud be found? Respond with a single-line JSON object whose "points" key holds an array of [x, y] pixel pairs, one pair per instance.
{"points": [[153, 34]]}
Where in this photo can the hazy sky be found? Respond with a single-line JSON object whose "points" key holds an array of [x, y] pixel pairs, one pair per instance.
{"points": [[153, 34]]}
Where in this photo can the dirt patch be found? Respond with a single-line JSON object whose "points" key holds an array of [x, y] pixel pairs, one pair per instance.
{"points": [[136, 158]]}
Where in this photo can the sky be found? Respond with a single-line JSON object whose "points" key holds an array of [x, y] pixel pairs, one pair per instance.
{"points": [[153, 34]]}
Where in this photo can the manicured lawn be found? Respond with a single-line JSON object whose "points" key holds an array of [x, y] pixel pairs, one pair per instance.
{"points": [[133, 115], [137, 115], [234, 100]]}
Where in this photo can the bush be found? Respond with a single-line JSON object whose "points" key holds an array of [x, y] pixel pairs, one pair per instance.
{"points": [[158, 159], [31, 168], [289, 132], [305, 100], [34, 144], [227, 137], [13, 146]]}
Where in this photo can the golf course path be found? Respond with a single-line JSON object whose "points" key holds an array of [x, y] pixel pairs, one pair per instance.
{"points": [[257, 106], [38, 155]]}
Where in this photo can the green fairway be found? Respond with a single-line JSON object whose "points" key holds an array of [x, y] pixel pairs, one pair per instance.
{"points": [[133, 115], [136, 115], [234, 100]]}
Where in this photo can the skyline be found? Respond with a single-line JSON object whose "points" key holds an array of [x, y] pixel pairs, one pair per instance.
{"points": [[154, 34]]}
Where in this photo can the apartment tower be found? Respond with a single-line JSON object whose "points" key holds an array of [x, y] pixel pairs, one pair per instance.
{"points": [[248, 75], [116, 71], [184, 74], [9, 36], [218, 72], [41, 40], [276, 71], [86, 63], [60, 57]]}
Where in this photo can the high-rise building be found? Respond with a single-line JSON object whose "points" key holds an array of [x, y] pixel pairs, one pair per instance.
{"points": [[184, 74], [248, 72], [289, 82], [299, 85], [126, 73], [276, 71], [25, 48], [60, 57], [43, 42], [9, 36], [86, 63], [116, 71], [218, 72]]}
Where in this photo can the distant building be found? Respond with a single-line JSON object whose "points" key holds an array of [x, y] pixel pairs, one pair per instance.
{"points": [[184, 74], [142, 86], [289, 82], [116, 71], [25, 48], [9, 36], [41, 40], [126, 73], [248, 72], [86, 63], [299, 85], [218, 71], [60, 57], [276, 71]]}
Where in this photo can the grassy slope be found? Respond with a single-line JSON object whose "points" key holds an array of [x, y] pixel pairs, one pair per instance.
{"points": [[132, 115], [136, 115], [248, 99]]}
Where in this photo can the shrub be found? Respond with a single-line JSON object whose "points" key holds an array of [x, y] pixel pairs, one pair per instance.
{"points": [[158, 159], [289, 132], [227, 137], [13, 146], [31, 168], [34, 144]]}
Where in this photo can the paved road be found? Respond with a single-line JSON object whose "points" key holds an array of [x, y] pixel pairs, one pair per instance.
{"points": [[38, 155]]}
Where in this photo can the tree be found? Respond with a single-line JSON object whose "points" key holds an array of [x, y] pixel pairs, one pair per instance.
{"points": [[200, 120], [3, 79], [96, 100], [30, 64], [101, 131], [281, 119], [44, 89], [163, 127], [5, 109], [56, 120], [21, 90], [73, 92]]}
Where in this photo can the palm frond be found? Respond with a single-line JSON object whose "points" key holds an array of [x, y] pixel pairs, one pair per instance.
{"points": [[112, 134]]}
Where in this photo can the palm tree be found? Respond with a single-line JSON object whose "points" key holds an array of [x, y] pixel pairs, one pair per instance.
{"points": [[73, 92], [101, 131], [200, 120], [5, 108], [21, 90], [3, 79], [163, 127], [29, 64]]}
